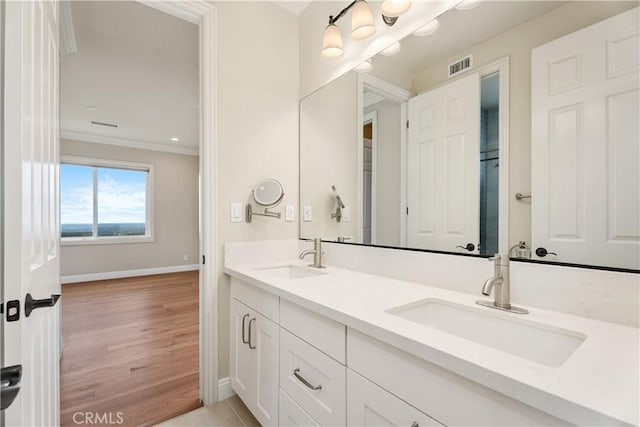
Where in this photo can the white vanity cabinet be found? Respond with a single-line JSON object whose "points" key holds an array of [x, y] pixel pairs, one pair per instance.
{"points": [[254, 354]]}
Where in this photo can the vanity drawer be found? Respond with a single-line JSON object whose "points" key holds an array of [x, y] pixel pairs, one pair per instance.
{"points": [[263, 302], [447, 397], [321, 332], [313, 380], [291, 414], [370, 405]]}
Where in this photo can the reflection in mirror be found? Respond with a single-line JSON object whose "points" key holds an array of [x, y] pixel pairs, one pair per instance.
{"points": [[431, 146]]}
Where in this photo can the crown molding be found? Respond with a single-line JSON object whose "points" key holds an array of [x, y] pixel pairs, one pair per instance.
{"points": [[129, 143]]}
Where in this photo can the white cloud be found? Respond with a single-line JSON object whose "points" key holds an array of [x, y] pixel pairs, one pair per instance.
{"points": [[76, 206], [121, 202]]}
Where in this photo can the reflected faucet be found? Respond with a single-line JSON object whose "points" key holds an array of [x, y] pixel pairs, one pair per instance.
{"points": [[317, 253], [499, 281]]}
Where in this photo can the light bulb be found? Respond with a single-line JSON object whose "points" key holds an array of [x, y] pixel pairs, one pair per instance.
{"points": [[364, 67], [391, 50]]}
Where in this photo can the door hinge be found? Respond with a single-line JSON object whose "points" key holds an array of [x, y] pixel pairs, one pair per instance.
{"points": [[407, 124], [204, 261], [407, 210]]}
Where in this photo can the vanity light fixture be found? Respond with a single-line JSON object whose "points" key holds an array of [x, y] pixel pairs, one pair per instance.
{"points": [[174, 139], [364, 67], [362, 23], [391, 50], [427, 29]]}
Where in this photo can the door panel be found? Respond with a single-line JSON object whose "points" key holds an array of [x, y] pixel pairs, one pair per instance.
{"points": [[242, 359], [443, 184], [31, 200], [586, 144], [267, 345]]}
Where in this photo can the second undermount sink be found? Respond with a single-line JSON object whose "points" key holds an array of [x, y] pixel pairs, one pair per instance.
{"points": [[533, 341], [292, 271]]}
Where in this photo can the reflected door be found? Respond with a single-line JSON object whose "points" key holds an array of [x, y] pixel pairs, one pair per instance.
{"points": [[586, 145], [443, 167]]}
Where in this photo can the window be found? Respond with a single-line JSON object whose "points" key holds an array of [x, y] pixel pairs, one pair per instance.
{"points": [[104, 202]]}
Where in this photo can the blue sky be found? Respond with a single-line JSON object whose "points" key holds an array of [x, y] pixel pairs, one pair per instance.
{"points": [[121, 195]]}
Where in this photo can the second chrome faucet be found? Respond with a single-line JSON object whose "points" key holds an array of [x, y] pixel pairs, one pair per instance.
{"points": [[317, 254]]}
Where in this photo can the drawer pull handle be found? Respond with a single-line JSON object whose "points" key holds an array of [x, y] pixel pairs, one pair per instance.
{"points": [[244, 340], [304, 381], [252, 347]]}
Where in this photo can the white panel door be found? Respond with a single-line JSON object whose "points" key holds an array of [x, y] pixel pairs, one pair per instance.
{"points": [[31, 257], [443, 167], [586, 145]]}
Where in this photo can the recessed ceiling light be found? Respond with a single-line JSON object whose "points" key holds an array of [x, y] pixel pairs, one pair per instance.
{"points": [[364, 66], [427, 29], [468, 4], [391, 50], [91, 108], [174, 139]]}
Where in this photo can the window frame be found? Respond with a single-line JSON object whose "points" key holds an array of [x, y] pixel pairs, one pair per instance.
{"points": [[112, 164]]}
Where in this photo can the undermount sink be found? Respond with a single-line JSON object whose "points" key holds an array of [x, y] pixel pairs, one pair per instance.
{"points": [[529, 340], [292, 271]]}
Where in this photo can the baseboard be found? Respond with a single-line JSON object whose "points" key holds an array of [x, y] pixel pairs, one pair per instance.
{"points": [[224, 388], [127, 273]]}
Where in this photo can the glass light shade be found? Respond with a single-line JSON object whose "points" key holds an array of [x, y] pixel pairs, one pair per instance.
{"points": [[427, 29], [364, 67], [394, 8], [332, 42], [362, 25], [391, 50]]}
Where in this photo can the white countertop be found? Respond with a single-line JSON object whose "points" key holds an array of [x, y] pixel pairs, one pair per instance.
{"points": [[598, 383]]}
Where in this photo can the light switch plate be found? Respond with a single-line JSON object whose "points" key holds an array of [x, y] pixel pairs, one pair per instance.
{"points": [[346, 214], [289, 213], [306, 213], [236, 212]]}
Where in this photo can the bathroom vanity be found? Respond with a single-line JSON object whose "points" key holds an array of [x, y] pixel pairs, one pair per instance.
{"points": [[334, 346]]}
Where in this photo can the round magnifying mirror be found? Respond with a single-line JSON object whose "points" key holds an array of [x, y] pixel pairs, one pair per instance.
{"points": [[268, 193]]}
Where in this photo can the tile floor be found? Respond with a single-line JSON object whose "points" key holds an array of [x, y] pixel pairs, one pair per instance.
{"points": [[226, 413]]}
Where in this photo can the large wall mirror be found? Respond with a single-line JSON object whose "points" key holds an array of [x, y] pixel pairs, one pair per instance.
{"points": [[509, 127]]}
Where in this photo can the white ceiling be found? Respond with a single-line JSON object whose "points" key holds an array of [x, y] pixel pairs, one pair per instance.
{"points": [[461, 29], [138, 68], [294, 6]]}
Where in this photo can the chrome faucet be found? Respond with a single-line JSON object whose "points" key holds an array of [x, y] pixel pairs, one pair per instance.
{"points": [[317, 253], [499, 281]]}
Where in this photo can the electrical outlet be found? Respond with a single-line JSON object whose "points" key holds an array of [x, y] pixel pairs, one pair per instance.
{"points": [[186, 257], [346, 214], [289, 213], [306, 213], [235, 213]]}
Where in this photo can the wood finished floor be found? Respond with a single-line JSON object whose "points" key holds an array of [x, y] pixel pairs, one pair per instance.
{"points": [[130, 346]]}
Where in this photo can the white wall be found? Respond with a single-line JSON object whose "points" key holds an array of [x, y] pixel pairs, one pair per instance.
{"points": [[174, 210], [328, 156], [387, 172], [517, 44], [316, 71], [257, 133]]}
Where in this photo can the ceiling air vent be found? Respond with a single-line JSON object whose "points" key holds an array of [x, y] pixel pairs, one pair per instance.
{"points": [[460, 66], [111, 125]]}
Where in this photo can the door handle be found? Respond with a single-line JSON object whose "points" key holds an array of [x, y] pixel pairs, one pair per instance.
{"points": [[11, 377], [31, 304], [469, 246], [244, 340], [252, 347], [542, 252]]}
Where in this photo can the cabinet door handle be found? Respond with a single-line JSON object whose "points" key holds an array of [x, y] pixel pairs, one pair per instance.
{"points": [[244, 340], [252, 347], [304, 381]]}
